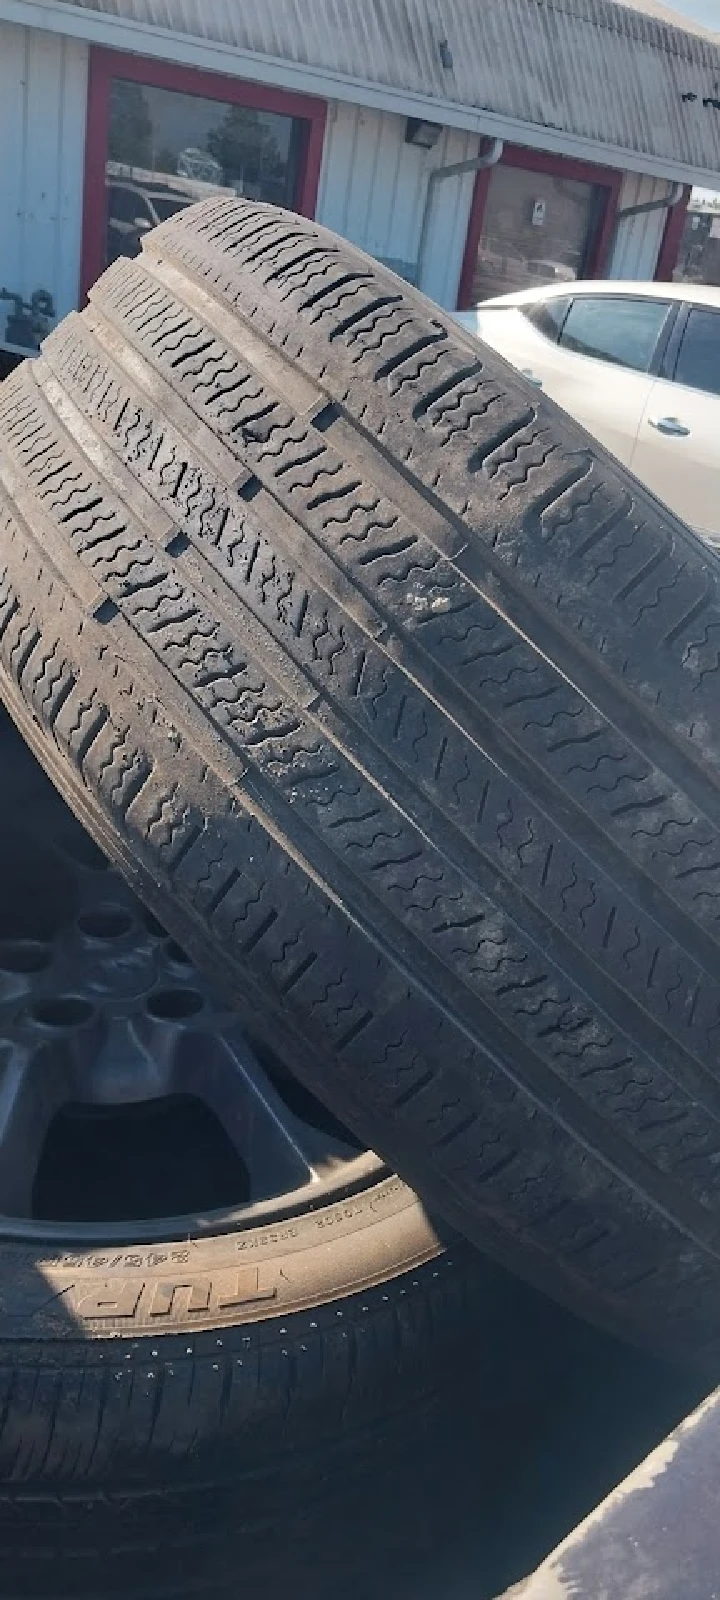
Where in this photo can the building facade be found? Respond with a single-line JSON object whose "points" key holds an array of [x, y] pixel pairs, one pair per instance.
{"points": [[476, 146]]}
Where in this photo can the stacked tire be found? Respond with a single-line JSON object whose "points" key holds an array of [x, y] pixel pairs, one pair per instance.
{"points": [[397, 700]]}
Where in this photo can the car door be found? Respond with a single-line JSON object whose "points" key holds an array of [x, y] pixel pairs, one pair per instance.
{"points": [[524, 332], [601, 368], [594, 354], [677, 453]]}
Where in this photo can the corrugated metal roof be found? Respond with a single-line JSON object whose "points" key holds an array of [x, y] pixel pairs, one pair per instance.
{"points": [[597, 69]]}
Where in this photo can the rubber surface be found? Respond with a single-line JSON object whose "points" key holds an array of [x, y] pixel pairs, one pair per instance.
{"points": [[211, 1358], [145, 1375], [398, 699]]}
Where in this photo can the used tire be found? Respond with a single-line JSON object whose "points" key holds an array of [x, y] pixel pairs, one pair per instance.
{"points": [[160, 1378], [397, 698], [133, 1368]]}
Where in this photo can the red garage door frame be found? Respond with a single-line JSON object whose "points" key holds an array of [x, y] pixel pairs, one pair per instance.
{"points": [[552, 166], [106, 65]]}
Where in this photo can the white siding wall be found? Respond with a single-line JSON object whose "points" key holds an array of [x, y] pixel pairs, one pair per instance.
{"points": [[638, 239], [43, 93], [373, 190], [373, 186]]}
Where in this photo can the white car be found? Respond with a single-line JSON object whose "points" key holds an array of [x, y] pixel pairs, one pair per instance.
{"points": [[132, 211], [638, 364]]}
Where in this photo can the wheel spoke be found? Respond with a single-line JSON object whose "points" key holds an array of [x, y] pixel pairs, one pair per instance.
{"points": [[279, 1147], [101, 1012], [224, 1073], [30, 1096]]}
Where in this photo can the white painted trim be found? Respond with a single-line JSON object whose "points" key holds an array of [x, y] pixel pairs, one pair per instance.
{"points": [[121, 33]]}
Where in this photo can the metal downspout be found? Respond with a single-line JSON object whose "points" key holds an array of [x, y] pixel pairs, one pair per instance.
{"points": [[666, 202], [489, 158]]}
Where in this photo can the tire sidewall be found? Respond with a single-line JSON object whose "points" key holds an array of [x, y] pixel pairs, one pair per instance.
{"points": [[238, 1277]]}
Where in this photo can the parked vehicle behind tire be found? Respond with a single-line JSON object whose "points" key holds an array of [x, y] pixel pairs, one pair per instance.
{"points": [[396, 699], [638, 365]]}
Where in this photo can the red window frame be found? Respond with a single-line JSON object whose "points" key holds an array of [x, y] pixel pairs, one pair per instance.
{"points": [[672, 239], [105, 65], [553, 167]]}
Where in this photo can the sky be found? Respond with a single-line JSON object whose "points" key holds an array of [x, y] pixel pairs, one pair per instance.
{"points": [[706, 12]]}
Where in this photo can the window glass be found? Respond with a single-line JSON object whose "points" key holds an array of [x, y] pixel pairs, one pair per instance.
{"points": [[547, 316], [698, 363], [624, 332], [699, 254], [167, 149], [126, 201], [537, 230]]}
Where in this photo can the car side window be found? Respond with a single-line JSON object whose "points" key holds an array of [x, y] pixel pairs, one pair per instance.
{"points": [[623, 331], [698, 362], [547, 316]]}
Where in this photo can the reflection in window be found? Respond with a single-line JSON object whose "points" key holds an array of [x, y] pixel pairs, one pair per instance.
{"points": [[547, 316], [168, 149], [699, 254], [698, 363], [623, 331], [537, 230]]}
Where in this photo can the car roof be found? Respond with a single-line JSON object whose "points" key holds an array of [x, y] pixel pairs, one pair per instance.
{"points": [[703, 294]]}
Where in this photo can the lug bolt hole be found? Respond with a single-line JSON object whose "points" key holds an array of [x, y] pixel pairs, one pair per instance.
{"points": [[105, 924], [62, 1011], [174, 1005]]}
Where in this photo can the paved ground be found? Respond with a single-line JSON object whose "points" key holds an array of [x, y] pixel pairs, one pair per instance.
{"points": [[480, 1500]]}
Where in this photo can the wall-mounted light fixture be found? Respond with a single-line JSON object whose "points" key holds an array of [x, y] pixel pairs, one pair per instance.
{"points": [[446, 55], [424, 135]]}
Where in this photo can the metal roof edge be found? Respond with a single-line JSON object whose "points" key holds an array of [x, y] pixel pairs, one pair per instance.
{"points": [[140, 38]]}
